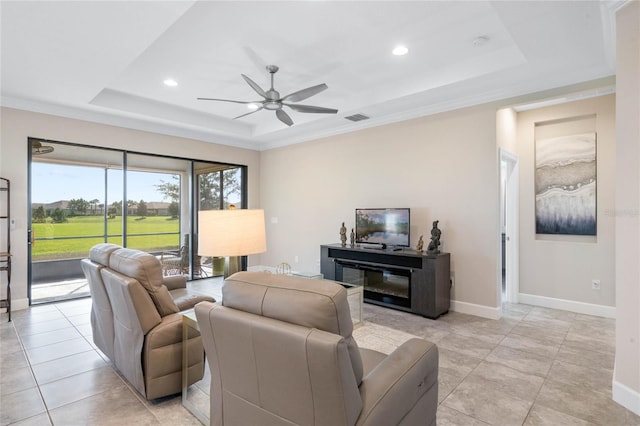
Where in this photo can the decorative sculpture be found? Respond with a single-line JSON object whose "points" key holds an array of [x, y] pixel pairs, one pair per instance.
{"points": [[283, 269], [420, 244], [353, 238], [435, 239], [343, 235]]}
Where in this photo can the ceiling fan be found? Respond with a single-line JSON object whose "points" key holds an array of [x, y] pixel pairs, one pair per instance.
{"points": [[273, 102]]}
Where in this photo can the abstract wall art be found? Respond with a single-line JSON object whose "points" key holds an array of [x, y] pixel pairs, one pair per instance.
{"points": [[565, 184]]}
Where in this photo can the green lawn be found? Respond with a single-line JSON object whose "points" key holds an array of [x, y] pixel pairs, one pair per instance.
{"points": [[85, 226]]}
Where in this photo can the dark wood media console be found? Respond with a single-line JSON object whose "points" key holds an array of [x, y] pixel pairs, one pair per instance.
{"points": [[406, 279]]}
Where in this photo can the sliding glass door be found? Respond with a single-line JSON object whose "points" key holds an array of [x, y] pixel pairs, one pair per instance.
{"points": [[70, 191], [81, 196], [219, 187]]}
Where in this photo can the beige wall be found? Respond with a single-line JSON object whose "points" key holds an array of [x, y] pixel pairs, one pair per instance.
{"points": [[506, 129], [626, 380], [562, 267], [18, 125], [443, 167]]}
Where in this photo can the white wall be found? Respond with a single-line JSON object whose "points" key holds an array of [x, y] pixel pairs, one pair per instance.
{"points": [[626, 380], [18, 125], [443, 167], [556, 269]]}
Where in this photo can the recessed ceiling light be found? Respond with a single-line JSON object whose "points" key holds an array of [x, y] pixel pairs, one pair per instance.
{"points": [[400, 50], [170, 82]]}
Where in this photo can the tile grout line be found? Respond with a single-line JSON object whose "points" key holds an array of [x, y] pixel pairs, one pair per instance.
{"points": [[546, 377], [30, 364], [110, 365], [35, 380]]}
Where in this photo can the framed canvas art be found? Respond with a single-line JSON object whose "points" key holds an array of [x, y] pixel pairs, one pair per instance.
{"points": [[565, 185]]}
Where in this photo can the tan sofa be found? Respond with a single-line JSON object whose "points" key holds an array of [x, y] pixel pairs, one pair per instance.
{"points": [[280, 351], [136, 321]]}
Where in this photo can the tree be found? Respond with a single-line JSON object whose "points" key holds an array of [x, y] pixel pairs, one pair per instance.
{"points": [[170, 190], [232, 184], [59, 216], [93, 204], [209, 188], [78, 206], [174, 210], [210, 185], [209, 191], [142, 208], [38, 215], [115, 209], [130, 204]]}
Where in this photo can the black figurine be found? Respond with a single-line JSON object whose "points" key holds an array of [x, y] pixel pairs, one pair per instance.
{"points": [[435, 239]]}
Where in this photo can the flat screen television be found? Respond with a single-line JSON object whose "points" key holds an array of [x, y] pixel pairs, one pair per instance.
{"points": [[387, 227]]}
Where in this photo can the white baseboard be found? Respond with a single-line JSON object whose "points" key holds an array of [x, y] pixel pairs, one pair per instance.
{"points": [[477, 310], [568, 305], [17, 305], [627, 397]]}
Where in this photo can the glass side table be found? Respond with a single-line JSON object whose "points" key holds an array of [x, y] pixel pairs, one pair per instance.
{"points": [[310, 275], [355, 297], [195, 398]]}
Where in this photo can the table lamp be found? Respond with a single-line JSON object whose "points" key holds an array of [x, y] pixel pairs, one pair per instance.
{"points": [[231, 233]]}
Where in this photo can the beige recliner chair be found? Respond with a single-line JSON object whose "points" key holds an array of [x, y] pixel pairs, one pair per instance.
{"points": [[136, 321], [280, 352]]}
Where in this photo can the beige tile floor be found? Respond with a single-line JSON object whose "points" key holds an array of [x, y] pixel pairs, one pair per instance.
{"points": [[535, 366]]}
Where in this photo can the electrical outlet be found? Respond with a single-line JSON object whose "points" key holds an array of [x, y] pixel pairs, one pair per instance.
{"points": [[595, 284], [452, 280], [295, 259]]}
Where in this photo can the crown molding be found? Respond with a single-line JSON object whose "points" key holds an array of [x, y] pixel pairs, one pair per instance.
{"points": [[141, 123]]}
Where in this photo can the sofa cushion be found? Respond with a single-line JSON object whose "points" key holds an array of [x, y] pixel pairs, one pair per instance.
{"points": [[100, 253], [320, 304], [147, 270]]}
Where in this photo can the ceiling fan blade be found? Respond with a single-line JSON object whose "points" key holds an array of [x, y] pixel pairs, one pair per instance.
{"points": [[257, 60], [250, 112], [313, 109], [305, 93], [254, 86], [284, 117], [229, 100]]}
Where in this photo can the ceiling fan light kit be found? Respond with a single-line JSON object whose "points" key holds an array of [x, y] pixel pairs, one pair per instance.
{"points": [[273, 102], [38, 149]]}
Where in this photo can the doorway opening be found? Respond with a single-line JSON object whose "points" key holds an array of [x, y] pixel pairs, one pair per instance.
{"points": [[509, 227]]}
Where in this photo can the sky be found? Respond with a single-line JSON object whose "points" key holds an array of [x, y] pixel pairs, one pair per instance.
{"points": [[53, 182]]}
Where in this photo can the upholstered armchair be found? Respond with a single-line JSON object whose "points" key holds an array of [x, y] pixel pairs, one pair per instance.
{"points": [[280, 352], [136, 322]]}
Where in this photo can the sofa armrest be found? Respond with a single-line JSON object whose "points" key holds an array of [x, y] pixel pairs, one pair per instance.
{"points": [[175, 281], [404, 381], [162, 357], [185, 298], [165, 342]]}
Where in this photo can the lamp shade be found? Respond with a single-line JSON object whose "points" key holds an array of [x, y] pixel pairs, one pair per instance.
{"points": [[231, 232]]}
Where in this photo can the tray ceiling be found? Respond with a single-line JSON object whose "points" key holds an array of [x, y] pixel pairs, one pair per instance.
{"points": [[106, 61]]}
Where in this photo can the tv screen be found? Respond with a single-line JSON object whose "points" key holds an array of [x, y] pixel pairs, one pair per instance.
{"points": [[389, 227]]}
